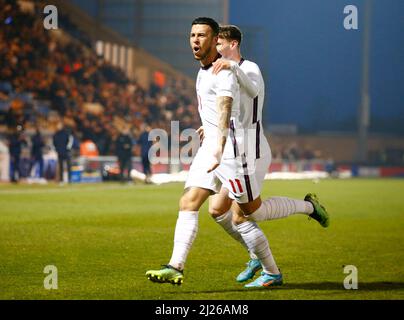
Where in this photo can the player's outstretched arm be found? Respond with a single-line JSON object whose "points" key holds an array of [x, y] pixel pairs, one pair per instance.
{"points": [[223, 105], [249, 81]]}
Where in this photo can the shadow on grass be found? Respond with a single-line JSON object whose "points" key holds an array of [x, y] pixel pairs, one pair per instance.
{"points": [[327, 286]]}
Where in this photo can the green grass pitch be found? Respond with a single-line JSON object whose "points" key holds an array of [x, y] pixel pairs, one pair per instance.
{"points": [[102, 238]]}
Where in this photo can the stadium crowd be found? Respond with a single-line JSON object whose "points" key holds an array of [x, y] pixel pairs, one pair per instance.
{"points": [[90, 95]]}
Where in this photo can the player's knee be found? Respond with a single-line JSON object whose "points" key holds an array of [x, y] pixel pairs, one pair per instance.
{"points": [[216, 211], [188, 203], [218, 208], [184, 203]]}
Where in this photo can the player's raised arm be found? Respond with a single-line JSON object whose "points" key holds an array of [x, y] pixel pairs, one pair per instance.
{"points": [[250, 81]]}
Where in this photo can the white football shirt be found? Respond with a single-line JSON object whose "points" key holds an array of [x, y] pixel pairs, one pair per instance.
{"points": [[252, 94], [208, 88]]}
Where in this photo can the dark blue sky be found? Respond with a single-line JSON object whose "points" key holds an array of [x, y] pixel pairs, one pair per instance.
{"points": [[312, 65]]}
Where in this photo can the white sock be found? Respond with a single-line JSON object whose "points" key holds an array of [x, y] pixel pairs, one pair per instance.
{"points": [[281, 207], [257, 243], [225, 221], [185, 233]]}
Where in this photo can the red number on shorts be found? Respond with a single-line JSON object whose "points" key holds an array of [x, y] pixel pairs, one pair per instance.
{"points": [[238, 185]]}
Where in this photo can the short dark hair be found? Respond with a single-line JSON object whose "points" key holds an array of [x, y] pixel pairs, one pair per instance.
{"points": [[231, 32], [210, 22]]}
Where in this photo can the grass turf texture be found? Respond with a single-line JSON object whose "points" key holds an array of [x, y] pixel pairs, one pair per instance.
{"points": [[103, 238]]}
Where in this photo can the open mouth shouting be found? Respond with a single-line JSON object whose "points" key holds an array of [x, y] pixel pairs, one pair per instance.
{"points": [[196, 50]]}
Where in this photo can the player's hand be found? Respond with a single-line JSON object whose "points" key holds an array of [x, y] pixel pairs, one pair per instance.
{"points": [[201, 134], [216, 158], [220, 64]]}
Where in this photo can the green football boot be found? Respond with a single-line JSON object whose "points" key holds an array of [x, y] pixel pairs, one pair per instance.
{"points": [[168, 274], [320, 213]]}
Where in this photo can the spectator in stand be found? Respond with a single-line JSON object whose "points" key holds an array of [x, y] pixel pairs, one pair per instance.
{"points": [[88, 148], [63, 141], [16, 142], [4, 162], [145, 145], [37, 144], [123, 148]]}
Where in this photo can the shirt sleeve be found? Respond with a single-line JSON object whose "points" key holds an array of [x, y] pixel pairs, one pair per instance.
{"points": [[226, 84], [249, 80]]}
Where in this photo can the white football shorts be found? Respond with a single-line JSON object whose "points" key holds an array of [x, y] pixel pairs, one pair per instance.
{"points": [[256, 176], [242, 178]]}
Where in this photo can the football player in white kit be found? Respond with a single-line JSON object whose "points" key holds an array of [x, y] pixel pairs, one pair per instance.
{"points": [[258, 157], [215, 162]]}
